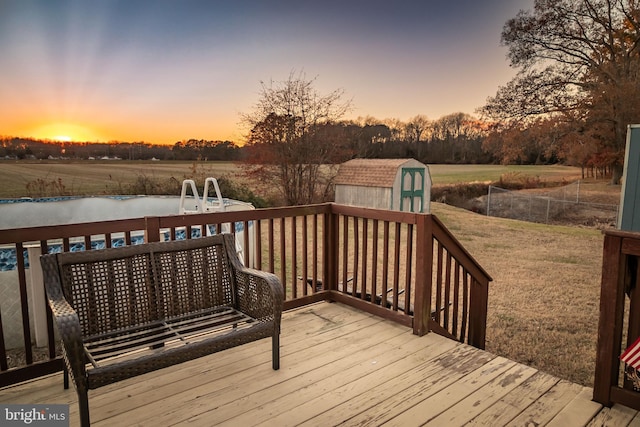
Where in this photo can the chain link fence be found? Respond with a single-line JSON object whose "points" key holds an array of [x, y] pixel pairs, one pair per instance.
{"points": [[561, 205]]}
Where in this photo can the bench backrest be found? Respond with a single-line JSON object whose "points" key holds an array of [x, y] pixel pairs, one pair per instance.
{"points": [[129, 286]]}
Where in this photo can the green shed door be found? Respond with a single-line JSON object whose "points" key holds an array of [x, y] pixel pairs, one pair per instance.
{"points": [[412, 191], [629, 216]]}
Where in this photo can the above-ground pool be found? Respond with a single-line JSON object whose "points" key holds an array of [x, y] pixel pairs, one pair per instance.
{"points": [[28, 212]]}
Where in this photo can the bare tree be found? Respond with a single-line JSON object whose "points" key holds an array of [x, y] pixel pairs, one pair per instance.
{"points": [[575, 55], [288, 141], [417, 127], [397, 128]]}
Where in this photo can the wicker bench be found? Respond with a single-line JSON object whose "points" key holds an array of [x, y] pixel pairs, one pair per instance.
{"points": [[123, 312]]}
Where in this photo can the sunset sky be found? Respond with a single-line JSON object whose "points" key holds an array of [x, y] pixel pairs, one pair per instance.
{"points": [[162, 71]]}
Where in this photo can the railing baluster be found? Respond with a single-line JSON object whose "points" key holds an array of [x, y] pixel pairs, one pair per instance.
{"points": [[408, 265], [396, 268], [283, 256], [305, 256], [385, 264], [294, 258], [258, 244], [24, 306], [345, 252], [51, 343], [374, 264], [245, 242], [439, 290], [3, 350], [456, 297], [316, 242], [365, 255], [356, 253], [447, 292], [272, 249], [465, 305]]}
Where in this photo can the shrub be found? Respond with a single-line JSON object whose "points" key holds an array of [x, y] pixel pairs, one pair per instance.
{"points": [[238, 192], [518, 181], [43, 188], [459, 195]]}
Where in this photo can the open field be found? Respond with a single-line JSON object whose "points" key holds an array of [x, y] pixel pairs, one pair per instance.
{"points": [[101, 177], [543, 303], [455, 174], [93, 177]]}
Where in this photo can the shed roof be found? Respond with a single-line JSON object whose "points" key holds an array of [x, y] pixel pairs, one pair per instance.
{"points": [[369, 172]]}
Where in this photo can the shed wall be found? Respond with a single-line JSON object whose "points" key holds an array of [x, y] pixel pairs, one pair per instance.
{"points": [[370, 197], [629, 213]]}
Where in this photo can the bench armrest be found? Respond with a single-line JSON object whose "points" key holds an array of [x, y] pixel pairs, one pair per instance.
{"points": [[65, 318], [259, 294]]}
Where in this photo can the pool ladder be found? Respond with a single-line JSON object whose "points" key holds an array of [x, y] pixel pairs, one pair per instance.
{"points": [[199, 205], [205, 205]]}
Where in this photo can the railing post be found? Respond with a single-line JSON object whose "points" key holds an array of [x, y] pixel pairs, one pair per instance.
{"points": [[479, 297], [330, 250], [611, 317], [424, 269], [151, 229]]}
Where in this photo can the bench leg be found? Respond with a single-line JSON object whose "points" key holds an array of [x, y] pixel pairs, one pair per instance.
{"points": [[275, 343], [83, 406], [65, 377]]}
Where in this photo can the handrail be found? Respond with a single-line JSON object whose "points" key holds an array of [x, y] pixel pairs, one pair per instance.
{"points": [[461, 284], [406, 267]]}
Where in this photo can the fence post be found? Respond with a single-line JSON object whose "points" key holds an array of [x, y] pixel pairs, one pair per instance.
{"points": [[424, 276], [548, 205], [489, 201]]}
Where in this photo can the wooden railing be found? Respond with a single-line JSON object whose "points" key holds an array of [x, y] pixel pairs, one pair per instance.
{"points": [[402, 266], [619, 318]]}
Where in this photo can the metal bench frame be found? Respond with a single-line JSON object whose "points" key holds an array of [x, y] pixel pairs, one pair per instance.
{"points": [[123, 312]]}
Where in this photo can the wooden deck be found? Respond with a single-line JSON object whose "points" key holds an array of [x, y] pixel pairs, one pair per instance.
{"points": [[338, 365]]}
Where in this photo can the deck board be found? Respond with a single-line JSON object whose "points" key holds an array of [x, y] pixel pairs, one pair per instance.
{"points": [[338, 366], [579, 411]]}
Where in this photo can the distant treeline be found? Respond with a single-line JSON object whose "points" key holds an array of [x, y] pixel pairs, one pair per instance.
{"points": [[24, 148], [464, 145]]}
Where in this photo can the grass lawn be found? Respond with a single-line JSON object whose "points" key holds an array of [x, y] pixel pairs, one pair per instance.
{"points": [[96, 177], [454, 174], [544, 300]]}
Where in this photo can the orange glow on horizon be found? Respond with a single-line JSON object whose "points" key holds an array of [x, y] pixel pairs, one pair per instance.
{"points": [[60, 131], [73, 132]]}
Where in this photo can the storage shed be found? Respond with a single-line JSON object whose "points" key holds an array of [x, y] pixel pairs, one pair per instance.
{"points": [[394, 184], [629, 212]]}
